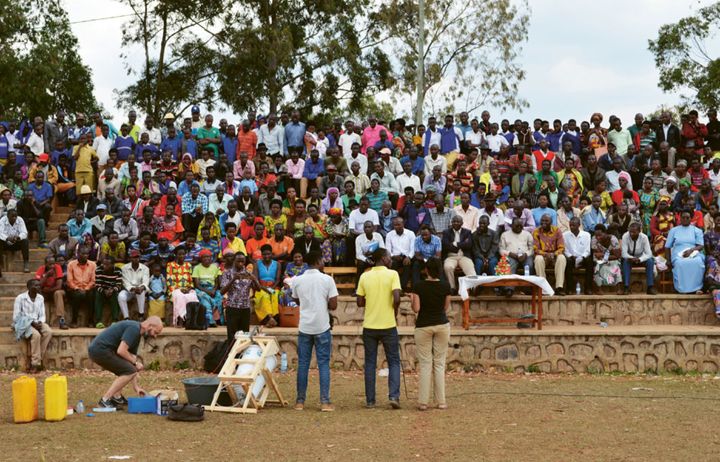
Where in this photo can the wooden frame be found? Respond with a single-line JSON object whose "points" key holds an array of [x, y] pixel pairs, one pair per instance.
{"points": [[228, 379], [535, 300]]}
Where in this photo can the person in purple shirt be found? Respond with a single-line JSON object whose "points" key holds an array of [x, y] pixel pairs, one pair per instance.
{"points": [[313, 171], [555, 137], [295, 134], [124, 143], [171, 143], [146, 145], [415, 214], [383, 142], [524, 214], [229, 143]]}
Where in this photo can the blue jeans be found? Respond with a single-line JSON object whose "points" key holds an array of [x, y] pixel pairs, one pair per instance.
{"points": [[649, 271], [480, 263], [323, 348], [391, 345]]}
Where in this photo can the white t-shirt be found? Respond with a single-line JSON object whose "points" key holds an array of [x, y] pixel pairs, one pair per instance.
{"points": [[314, 289], [357, 220], [346, 141]]}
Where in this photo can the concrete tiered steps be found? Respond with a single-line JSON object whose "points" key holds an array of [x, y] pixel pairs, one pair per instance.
{"points": [[645, 333]]}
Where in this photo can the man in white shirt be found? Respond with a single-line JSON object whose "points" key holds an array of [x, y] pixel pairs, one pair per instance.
{"points": [[154, 135], [102, 145], [136, 278], [35, 142], [406, 178], [400, 244], [435, 159], [432, 135], [518, 246], [273, 136], [494, 214], [475, 137], [349, 138], [29, 321], [577, 253], [495, 140], [636, 251], [14, 236], [316, 294], [356, 156]]}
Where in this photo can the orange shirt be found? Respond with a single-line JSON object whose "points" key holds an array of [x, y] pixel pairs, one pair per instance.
{"points": [[284, 246], [247, 142], [81, 277], [253, 247]]}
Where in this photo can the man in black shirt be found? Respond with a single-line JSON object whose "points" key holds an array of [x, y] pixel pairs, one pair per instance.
{"points": [[115, 349]]}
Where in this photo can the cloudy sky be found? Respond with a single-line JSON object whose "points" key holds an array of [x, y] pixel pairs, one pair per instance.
{"points": [[580, 57]]}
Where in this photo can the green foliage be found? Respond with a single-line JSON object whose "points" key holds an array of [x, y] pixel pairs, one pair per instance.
{"points": [[533, 369], [40, 68], [683, 61], [471, 52], [153, 366], [182, 365]]}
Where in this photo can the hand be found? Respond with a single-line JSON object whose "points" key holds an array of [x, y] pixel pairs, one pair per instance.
{"points": [[406, 261], [687, 253], [636, 260], [184, 290], [522, 258], [139, 390], [139, 366]]}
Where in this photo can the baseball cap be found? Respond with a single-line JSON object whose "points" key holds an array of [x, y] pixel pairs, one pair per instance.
{"points": [[195, 109]]}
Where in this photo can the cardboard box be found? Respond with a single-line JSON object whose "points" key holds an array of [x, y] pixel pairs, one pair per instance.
{"points": [[163, 400]]}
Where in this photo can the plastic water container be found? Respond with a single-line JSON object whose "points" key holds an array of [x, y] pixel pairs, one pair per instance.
{"points": [[56, 398], [578, 289], [254, 352], [527, 270], [283, 362], [25, 403]]}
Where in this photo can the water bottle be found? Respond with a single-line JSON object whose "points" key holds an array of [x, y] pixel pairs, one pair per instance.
{"points": [[606, 257], [527, 270], [80, 407], [283, 362], [578, 290]]}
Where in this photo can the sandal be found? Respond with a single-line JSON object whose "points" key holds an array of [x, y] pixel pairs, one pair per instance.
{"points": [[422, 407], [442, 406]]}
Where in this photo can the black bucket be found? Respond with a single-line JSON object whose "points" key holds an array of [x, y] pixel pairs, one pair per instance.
{"points": [[200, 390]]}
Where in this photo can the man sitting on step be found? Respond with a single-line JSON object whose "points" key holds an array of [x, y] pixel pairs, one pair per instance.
{"points": [[14, 236], [29, 322]]}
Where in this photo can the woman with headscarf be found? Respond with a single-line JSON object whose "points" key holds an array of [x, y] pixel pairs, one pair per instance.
{"points": [[180, 285], [87, 241], [661, 223], [597, 135], [619, 195], [606, 252], [205, 277], [684, 248], [332, 201], [318, 223], [337, 230], [187, 164]]}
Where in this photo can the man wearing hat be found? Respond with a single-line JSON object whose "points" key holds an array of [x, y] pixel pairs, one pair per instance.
{"points": [[87, 202], [168, 122], [136, 278], [195, 120]]}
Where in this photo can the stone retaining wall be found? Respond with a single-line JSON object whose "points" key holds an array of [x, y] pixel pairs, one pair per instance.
{"points": [[525, 350]]}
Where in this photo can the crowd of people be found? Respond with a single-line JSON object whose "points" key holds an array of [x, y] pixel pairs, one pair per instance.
{"points": [[160, 212]]}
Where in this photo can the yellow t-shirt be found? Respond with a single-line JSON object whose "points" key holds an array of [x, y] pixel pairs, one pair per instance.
{"points": [[83, 164], [377, 286]]}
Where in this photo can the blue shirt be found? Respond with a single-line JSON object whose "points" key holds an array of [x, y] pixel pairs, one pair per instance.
{"points": [[171, 144], [189, 204], [592, 218], [294, 135], [157, 287], [42, 193], [555, 141], [77, 230], [55, 157], [418, 165], [124, 145], [313, 170], [415, 217], [250, 184], [183, 187], [4, 147], [538, 212], [229, 147], [146, 147], [428, 249]]}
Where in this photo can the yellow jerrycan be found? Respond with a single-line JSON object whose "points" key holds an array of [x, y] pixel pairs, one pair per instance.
{"points": [[56, 398], [25, 402]]}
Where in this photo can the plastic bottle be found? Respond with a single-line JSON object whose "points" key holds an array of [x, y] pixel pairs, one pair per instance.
{"points": [[527, 270], [80, 407], [283, 362], [578, 289]]}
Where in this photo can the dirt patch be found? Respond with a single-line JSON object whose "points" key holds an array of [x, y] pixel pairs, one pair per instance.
{"points": [[491, 417]]}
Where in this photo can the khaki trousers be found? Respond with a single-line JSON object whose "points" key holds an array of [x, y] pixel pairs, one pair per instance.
{"points": [[84, 178], [451, 262], [431, 346], [58, 297], [559, 269], [39, 341]]}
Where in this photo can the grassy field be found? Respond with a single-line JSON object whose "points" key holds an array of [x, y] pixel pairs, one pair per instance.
{"points": [[491, 417]]}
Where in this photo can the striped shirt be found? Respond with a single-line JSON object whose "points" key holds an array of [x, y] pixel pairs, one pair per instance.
{"points": [[113, 280]]}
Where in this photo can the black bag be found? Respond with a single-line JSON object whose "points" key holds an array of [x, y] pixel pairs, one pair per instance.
{"points": [[215, 358], [186, 412], [195, 318]]}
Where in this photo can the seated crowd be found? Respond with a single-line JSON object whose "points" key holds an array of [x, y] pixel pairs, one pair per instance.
{"points": [[160, 213]]}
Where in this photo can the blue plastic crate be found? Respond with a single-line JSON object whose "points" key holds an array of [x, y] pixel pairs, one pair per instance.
{"points": [[142, 405]]}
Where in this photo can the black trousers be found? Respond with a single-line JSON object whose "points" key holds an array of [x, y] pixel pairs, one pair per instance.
{"points": [[191, 222], [236, 319], [570, 279], [21, 245], [86, 300]]}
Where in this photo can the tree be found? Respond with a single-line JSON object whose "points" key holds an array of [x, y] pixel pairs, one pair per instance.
{"points": [[470, 55], [306, 54], [683, 60], [175, 70], [40, 69]]}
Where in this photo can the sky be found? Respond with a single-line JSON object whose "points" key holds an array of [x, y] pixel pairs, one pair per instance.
{"points": [[581, 56]]}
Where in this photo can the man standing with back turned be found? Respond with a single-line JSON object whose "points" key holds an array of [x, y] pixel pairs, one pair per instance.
{"points": [[315, 293], [378, 292]]}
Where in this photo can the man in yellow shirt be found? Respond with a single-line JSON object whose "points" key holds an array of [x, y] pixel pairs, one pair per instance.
{"points": [[378, 292], [85, 156]]}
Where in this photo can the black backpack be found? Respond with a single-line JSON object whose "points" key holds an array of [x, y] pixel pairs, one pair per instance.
{"points": [[215, 358], [195, 318]]}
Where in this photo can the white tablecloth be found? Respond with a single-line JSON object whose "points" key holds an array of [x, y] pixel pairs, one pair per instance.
{"points": [[468, 282]]}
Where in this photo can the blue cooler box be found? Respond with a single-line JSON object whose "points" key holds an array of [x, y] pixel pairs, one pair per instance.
{"points": [[142, 405]]}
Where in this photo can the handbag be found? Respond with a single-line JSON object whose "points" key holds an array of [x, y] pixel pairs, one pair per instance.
{"points": [[195, 318], [289, 315], [186, 413]]}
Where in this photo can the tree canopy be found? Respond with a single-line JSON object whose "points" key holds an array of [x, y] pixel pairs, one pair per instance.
{"points": [[684, 61], [40, 68]]}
